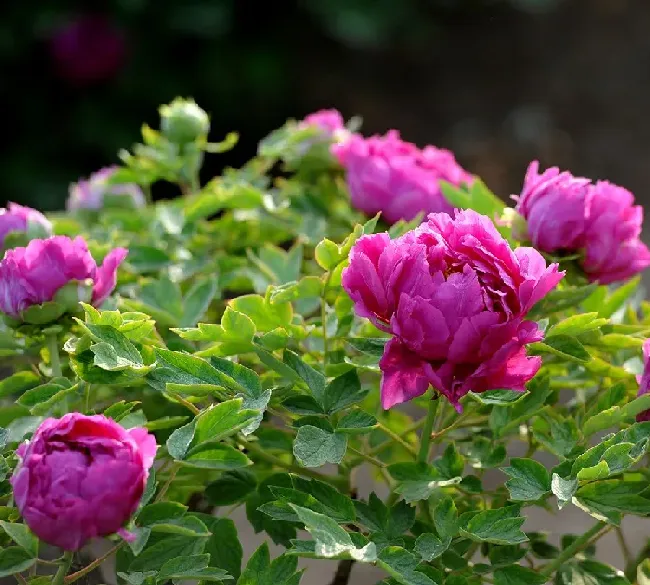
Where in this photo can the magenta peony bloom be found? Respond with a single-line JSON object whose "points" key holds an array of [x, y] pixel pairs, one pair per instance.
{"points": [[16, 218], [454, 296], [81, 477], [35, 274], [91, 193], [88, 50], [644, 380], [569, 214], [386, 174]]}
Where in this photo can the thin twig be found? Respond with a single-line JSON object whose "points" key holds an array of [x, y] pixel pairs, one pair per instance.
{"points": [[186, 403], [393, 435], [369, 458], [92, 566], [170, 479], [20, 579]]}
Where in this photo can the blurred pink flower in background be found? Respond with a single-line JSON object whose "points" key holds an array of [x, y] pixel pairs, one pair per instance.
{"points": [[88, 49]]}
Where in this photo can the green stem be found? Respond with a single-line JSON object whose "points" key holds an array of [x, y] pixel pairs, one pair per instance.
{"points": [[625, 549], [172, 476], [55, 360], [64, 567], [368, 458], [576, 546], [86, 389], [393, 435], [425, 439], [323, 316]]}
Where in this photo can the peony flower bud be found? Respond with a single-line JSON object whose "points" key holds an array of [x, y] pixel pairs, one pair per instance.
{"points": [[96, 191], [183, 121], [47, 278], [454, 296], [81, 477], [570, 214], [16, 218], [644, 380], [387, 175]]}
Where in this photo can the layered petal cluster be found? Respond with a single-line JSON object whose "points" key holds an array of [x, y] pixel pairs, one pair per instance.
{"points": [[571, 214], [454, 296], [16, 218], [644, 380], [91, 193], [81, 477], [388, 175], [33, 275]]}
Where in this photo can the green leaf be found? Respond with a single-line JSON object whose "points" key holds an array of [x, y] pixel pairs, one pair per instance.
{"points": [[370, 346], [342, 392], [197, 301], [429, 546], [402, 566], [356, 421], [223, 546], [518, 575], [498, 397], [500, 526], [266, 317], [609, 499], [505, 418], [191, 567], [257, 567], [15, 559], [181, 368], [119, 410], [220, 421], [563, 489], [445, 518], [166, 549], [22, 536], [643, 572], [332, 541], [589, 572], [530, 480], [564, 346], [185, 526], [161, 512], [577, 325], [451, 464], [417, 481], [559, 300], [112, 350], [616, 414], [179, 441], [617, 298], [18, 383], [327, 254], [217, 456], [307, 287], [315, 380], [231, 487], [313, 447]]}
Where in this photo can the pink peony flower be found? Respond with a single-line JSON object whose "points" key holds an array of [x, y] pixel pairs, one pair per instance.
{"points": [[330, 122], [88, 50], [33, 275], [81, 477], [454, 296], [386, 174], [16, 218], [91, 193], [569, 214], [644, 380]]}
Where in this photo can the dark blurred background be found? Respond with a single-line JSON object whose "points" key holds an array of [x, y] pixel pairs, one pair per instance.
{"points": [[500, 82]]}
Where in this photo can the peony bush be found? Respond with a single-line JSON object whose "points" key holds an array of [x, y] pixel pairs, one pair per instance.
{"points": [[340, 307]]}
